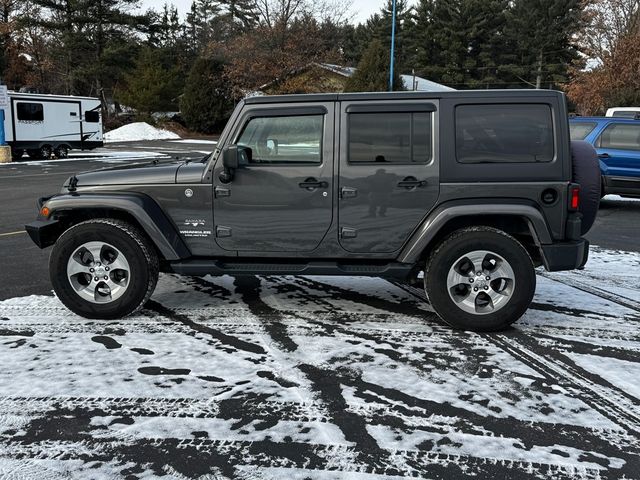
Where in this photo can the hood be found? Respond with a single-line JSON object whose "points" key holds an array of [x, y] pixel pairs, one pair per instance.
{"points": [[136, 174]]}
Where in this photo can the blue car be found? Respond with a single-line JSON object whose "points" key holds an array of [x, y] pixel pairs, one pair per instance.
{"points": [[617, 141]]}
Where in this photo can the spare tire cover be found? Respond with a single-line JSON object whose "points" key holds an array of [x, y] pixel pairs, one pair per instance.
{"points": [[586, 172]]}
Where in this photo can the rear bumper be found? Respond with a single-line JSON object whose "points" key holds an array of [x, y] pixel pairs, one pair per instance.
{"points": [[565, 256], [44, 233]]}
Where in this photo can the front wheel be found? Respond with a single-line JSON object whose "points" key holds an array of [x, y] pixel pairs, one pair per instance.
{"points": [[103, 268], [480, 279]]}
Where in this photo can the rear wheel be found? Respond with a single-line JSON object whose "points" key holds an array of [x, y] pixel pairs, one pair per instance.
{"points": [[103, 269], [480, 279], [62, 151]]}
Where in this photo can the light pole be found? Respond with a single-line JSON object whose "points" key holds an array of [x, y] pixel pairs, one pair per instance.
{"points": [[393, 44]]}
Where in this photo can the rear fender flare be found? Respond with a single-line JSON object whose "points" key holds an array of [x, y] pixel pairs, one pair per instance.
{"points": [[439, 217], [150, 217]]}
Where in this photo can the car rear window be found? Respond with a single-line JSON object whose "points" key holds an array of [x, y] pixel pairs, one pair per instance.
{"points": [[513, 133], [622, 136], [394, 137], [580, 130]]}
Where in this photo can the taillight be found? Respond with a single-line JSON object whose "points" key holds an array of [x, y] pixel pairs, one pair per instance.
{"points": [[574, 197]]}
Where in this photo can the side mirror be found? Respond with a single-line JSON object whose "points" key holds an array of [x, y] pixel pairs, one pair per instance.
{"points": [[232, 157]]}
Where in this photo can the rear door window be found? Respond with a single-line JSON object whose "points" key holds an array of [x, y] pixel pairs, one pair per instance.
{"points": [[580, 130], [621, 136], [501, 133], [400, 138]]}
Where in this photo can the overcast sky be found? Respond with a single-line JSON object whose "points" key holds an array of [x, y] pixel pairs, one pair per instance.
{"points": [[362, 9]]}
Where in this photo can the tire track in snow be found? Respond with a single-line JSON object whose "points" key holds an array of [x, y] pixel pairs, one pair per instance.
{"points": [[233, 454], [596, 291], [610, 401]]}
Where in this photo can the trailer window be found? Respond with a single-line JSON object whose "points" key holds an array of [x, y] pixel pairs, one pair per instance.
{"points": [[91, 116], [30, 112]]}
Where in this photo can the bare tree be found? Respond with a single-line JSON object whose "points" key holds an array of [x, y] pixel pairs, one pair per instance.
{"points": [[272, 13], [610, 21]]}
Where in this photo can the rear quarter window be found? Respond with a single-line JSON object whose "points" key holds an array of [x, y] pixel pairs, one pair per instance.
{"points": [[580, 130], [504, 133], [621, 136]]}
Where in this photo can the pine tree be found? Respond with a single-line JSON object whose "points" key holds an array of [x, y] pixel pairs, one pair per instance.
{"points": [[207, 100], [460, 42], [151, 86], [541, 36], [373, 71]]}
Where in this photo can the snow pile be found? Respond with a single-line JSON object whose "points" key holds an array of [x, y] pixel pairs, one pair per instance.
{"points": [[138, 131]]}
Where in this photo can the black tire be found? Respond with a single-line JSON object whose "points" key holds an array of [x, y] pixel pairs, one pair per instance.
{"points": [[16, 154], [46, 151], [464, 242], [586, 172], [139, 253], [61, 151]]}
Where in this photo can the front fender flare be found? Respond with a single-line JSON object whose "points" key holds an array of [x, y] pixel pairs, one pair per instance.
{"points": [[151, 218], [439, 217]]}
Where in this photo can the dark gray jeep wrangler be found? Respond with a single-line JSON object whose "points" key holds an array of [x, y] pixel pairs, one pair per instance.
{"points": [[472, 189]]}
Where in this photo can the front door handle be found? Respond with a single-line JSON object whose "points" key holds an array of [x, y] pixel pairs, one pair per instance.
{"points": [[412, 182], [604, 155], [311, 184]]}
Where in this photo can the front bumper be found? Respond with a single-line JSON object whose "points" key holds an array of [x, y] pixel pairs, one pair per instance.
{"points": [[566, 255], [44, 233]]}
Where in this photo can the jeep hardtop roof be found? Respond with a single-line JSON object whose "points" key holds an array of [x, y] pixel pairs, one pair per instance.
{"points": [[333, 97]]}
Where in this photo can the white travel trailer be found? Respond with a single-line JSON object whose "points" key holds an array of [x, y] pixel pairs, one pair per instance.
{"points": [[45, 125]]}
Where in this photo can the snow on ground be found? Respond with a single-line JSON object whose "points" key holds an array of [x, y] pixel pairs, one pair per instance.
{"points": [[196, 141], [138, 131], [324, 378], [617, 198]]}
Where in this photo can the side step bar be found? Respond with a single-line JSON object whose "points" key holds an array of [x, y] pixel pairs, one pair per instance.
{"points": [[197, 267]]}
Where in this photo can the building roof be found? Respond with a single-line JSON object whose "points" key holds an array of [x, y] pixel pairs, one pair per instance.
{"points": [[411, 82]]}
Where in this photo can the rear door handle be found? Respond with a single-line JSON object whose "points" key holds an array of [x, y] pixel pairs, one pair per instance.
{"points": [[348, 192], [311, 183], [604, 155], [411, 182]]}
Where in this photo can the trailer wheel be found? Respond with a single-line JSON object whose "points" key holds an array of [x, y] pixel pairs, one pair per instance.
{"points": [[62, 151], [17, 153], [46, 151]]}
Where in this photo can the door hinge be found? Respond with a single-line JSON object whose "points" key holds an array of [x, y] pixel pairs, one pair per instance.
{"points": [[347, 232], [222, 232]]}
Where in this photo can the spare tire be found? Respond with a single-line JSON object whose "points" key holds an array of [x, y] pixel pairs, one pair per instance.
{"points": [[586, 172]]}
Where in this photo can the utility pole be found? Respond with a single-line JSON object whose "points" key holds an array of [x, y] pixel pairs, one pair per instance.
{"points": [[393, 45]]}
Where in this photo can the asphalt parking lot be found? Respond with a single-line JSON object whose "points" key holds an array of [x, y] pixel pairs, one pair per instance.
{"points": [[314, 378]]}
